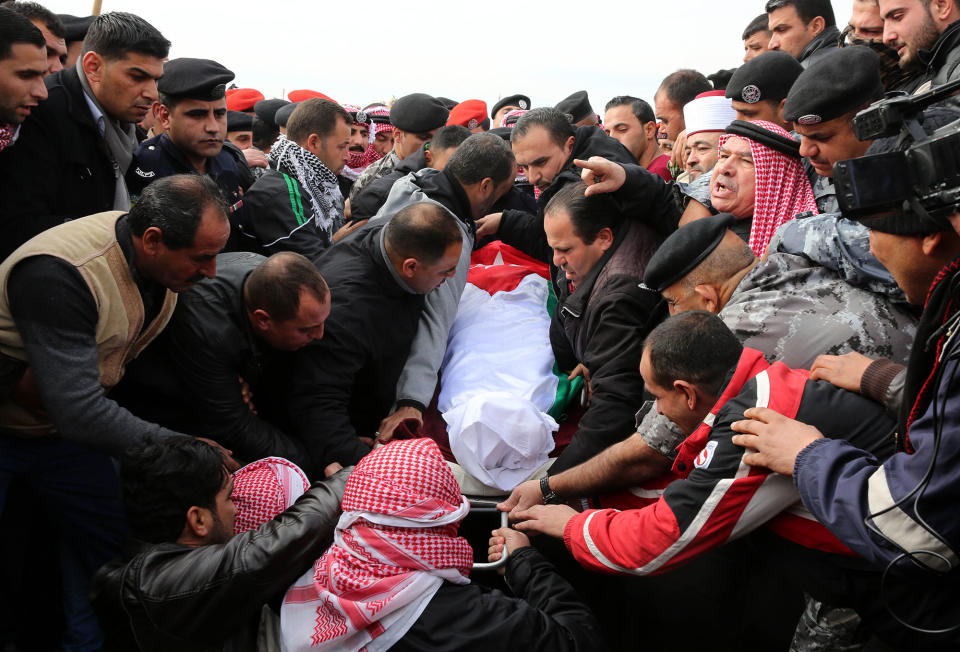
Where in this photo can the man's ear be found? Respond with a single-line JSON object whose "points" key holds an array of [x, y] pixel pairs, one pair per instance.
{"points": [[152, 239], [198, 522], [780, 109], [689, 393], [163, 116], [487, 186], [817, 24], [409, 267], [931, 242], [604, 238], [428, 155], [261, 319], [650, 131], [568, 148], [710, 296], [93, 67]]}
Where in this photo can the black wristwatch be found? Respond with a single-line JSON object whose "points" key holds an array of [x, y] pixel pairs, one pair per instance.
{"points": [[548, 494]]}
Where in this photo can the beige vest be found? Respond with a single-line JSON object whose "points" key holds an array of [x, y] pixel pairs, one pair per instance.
{"points": [[89, 244]]}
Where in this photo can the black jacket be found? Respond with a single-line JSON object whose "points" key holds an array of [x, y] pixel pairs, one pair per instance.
{"points": [[345, 383], [546, 614], [188, 379], [59, 168], [604, 322], [277, 216], [169, 596], [366, 204], [819, 46], [942, 61], [638, 195]]}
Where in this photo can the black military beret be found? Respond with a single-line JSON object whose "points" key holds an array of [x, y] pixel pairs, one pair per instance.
{"points": [[686, 248], [766, 77], [447, 102], [837, 83], [266, 110], [503, 132], [283, 114], [239, 121], [783, 144], [576, 107], [517, 100], [75, 27], [194, 79], [418, 113]]}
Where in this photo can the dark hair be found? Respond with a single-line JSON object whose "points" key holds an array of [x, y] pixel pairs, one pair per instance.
{"points": [[639, 108], [556, 124], [264, 133], [423, 231], [449, 136], [315, 116], [588, 215], [276, 283], [482, 156], [175, 205], [694, 346], [684, 85], [759, 24], [807, 10], [33, 11], [163, 478], [114, 35], [14, 29]]}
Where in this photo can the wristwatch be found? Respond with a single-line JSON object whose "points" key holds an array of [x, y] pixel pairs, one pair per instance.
{"points": [[549, 495]]}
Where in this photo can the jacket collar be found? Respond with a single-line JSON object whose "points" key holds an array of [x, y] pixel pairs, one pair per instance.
{"points": [[829, 37], [942, 47]]}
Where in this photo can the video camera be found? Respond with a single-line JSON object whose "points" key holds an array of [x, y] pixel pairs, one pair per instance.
{"points": [[923, 179]]}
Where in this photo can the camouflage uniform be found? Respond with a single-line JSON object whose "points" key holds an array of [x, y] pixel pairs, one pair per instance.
{"points": [[823, 191], [374, 171], [841, 245], [823, 628], [794, 310]]}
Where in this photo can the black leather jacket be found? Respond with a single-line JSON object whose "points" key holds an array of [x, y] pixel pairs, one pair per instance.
{"points": [[170, 596]]}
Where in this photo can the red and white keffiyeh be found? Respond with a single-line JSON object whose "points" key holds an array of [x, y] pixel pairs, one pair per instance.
{"points": [[781, 189], [394, 546], [359, 161], [263, 489], [7, 133]]}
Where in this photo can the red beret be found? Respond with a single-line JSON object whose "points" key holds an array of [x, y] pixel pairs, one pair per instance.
{"points": [[306, 94], [470, 114], [242, 99]]}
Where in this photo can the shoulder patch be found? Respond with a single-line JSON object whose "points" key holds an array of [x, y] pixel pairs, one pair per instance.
{"points": [[706, 455]]}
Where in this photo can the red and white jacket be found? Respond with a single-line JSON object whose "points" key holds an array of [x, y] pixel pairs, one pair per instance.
{"points": [[714, 497]]}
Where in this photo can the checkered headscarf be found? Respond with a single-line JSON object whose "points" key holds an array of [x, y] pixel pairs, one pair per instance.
{"points": [[781, 188], [263, 489], [395, 544], [359, 161]]}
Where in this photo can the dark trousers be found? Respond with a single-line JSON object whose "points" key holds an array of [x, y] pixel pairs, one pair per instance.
{"points": [[80, 492]]}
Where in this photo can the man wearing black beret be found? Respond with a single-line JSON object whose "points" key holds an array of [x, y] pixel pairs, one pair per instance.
{"points": [[759, 87], [578, 110], [415, 118], [822, 104], [506, 105], [193, 113], [75, 31], [240, 129]]}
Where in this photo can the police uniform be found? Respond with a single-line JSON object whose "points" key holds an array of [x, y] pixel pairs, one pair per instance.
{"points": [[157, 157]]}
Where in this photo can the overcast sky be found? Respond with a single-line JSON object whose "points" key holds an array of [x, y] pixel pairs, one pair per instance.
{"points": [[361, 51]]}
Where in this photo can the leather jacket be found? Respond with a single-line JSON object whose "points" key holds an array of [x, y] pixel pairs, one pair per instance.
{"points": [[168, 596]]}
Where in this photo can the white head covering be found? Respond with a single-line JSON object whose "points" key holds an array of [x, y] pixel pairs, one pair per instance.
{"points": [[709, 111]]}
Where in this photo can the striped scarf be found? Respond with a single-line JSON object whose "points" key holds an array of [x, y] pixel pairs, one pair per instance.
{"points": [[316, 178]]}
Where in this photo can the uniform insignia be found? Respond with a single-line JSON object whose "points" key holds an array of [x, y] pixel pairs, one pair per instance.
{"points": [[706, 455], [809, 119], [750, 94], [145, 175], [361, 117], [523, 104], [473, 124], [569, 117]]}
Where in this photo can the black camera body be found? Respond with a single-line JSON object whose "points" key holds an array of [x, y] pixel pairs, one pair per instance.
{"points": [[923, 178]]}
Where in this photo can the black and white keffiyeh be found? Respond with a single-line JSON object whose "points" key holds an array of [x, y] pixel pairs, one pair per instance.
{"points": [[316, 178]]}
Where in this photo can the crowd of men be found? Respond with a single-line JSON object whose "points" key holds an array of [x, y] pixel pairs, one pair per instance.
{"points": [[223, 319]]}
